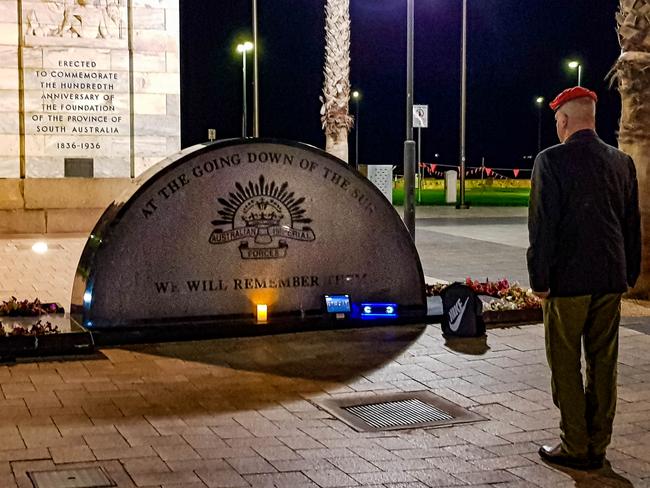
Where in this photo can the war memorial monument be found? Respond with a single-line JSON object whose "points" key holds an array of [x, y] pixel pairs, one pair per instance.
{"points": [[252, 230]]}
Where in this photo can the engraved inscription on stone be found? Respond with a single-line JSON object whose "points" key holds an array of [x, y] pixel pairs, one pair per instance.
{"points": [[94, 79], [76, 105], [260, 214], [214, 231]]}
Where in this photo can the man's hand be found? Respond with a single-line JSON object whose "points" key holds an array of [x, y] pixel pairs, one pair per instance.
{"points": [[542, 294]]}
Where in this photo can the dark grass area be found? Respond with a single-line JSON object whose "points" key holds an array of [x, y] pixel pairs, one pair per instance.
{"points": [[493, 197]]}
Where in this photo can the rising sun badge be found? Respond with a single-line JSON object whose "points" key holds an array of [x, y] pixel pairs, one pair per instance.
{"points": [[264, 213]]}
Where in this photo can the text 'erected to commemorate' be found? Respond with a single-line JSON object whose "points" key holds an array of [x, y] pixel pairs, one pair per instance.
{"points": [[76, 105]]}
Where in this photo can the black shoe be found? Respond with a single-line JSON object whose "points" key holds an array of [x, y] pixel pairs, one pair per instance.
{"points": [[556, 455], [596, 462]]}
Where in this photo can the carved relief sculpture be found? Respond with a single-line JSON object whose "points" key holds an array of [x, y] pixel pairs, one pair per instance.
{"points": [[88, 19]]}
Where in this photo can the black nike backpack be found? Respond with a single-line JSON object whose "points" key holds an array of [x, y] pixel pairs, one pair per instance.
{"points": [[462, 312]]}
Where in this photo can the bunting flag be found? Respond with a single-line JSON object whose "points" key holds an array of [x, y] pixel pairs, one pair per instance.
{"points": [[438, 170]]}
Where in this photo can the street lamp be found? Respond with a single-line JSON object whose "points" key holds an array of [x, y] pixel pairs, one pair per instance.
{"points": [[409, 143], [355, 96], [243, 49], [463, 107], [539, 101], [578, 66], [256, 80]]}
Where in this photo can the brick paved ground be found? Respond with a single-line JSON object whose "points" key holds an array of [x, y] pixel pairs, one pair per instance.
{"points": [[244, 412]]}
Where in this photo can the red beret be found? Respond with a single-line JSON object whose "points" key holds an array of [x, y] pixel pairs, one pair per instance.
{"points": [[572, 94]]}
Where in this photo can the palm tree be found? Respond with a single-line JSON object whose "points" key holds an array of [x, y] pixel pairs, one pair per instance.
{"points": [[632, 74], [336, 88]]}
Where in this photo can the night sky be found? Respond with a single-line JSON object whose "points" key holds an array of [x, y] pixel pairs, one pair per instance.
{"points": [[517, 50]]}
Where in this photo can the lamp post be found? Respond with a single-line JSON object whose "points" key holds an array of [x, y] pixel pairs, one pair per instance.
{"points": [[539, 101], [409, 143], [356, 95], [243, 49], [256, 101], [578, 66], [463, 107]]}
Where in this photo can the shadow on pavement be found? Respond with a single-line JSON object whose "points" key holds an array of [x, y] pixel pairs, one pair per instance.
{"points": [[325, 355], [605, 477], [474, 346]]}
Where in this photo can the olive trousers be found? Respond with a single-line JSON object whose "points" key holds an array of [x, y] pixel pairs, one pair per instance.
{"points": [[587, 411]]}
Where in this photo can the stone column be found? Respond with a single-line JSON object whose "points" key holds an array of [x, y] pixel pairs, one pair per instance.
{"points": [[100, 85], [9, 83], [156, 76]]}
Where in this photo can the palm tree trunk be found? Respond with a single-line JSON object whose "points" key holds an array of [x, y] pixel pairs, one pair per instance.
{"points": [[632, 74], [336, 88]]}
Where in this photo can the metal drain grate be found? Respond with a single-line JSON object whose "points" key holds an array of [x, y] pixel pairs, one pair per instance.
{"points": [[398, 411], [395, 414], [71, 478]]}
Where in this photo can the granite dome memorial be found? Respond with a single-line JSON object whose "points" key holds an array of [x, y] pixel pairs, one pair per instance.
{"points": [[218, 229]]}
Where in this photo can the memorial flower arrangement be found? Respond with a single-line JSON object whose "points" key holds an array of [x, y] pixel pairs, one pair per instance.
{"points": [[26, 308], [506, 295], [37, 329]]}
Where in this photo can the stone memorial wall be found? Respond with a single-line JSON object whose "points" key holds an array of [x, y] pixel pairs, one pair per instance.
{"points": [[221, 228], [88, 87]]}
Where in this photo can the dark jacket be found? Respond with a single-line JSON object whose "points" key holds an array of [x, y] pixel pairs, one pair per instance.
{"points": [[583, 219]]}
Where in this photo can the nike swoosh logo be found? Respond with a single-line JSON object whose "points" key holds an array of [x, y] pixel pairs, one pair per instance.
{"points": [[454, 324]]}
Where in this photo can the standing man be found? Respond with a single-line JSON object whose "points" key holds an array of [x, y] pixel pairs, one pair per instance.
{"points": [[585, 250]]}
